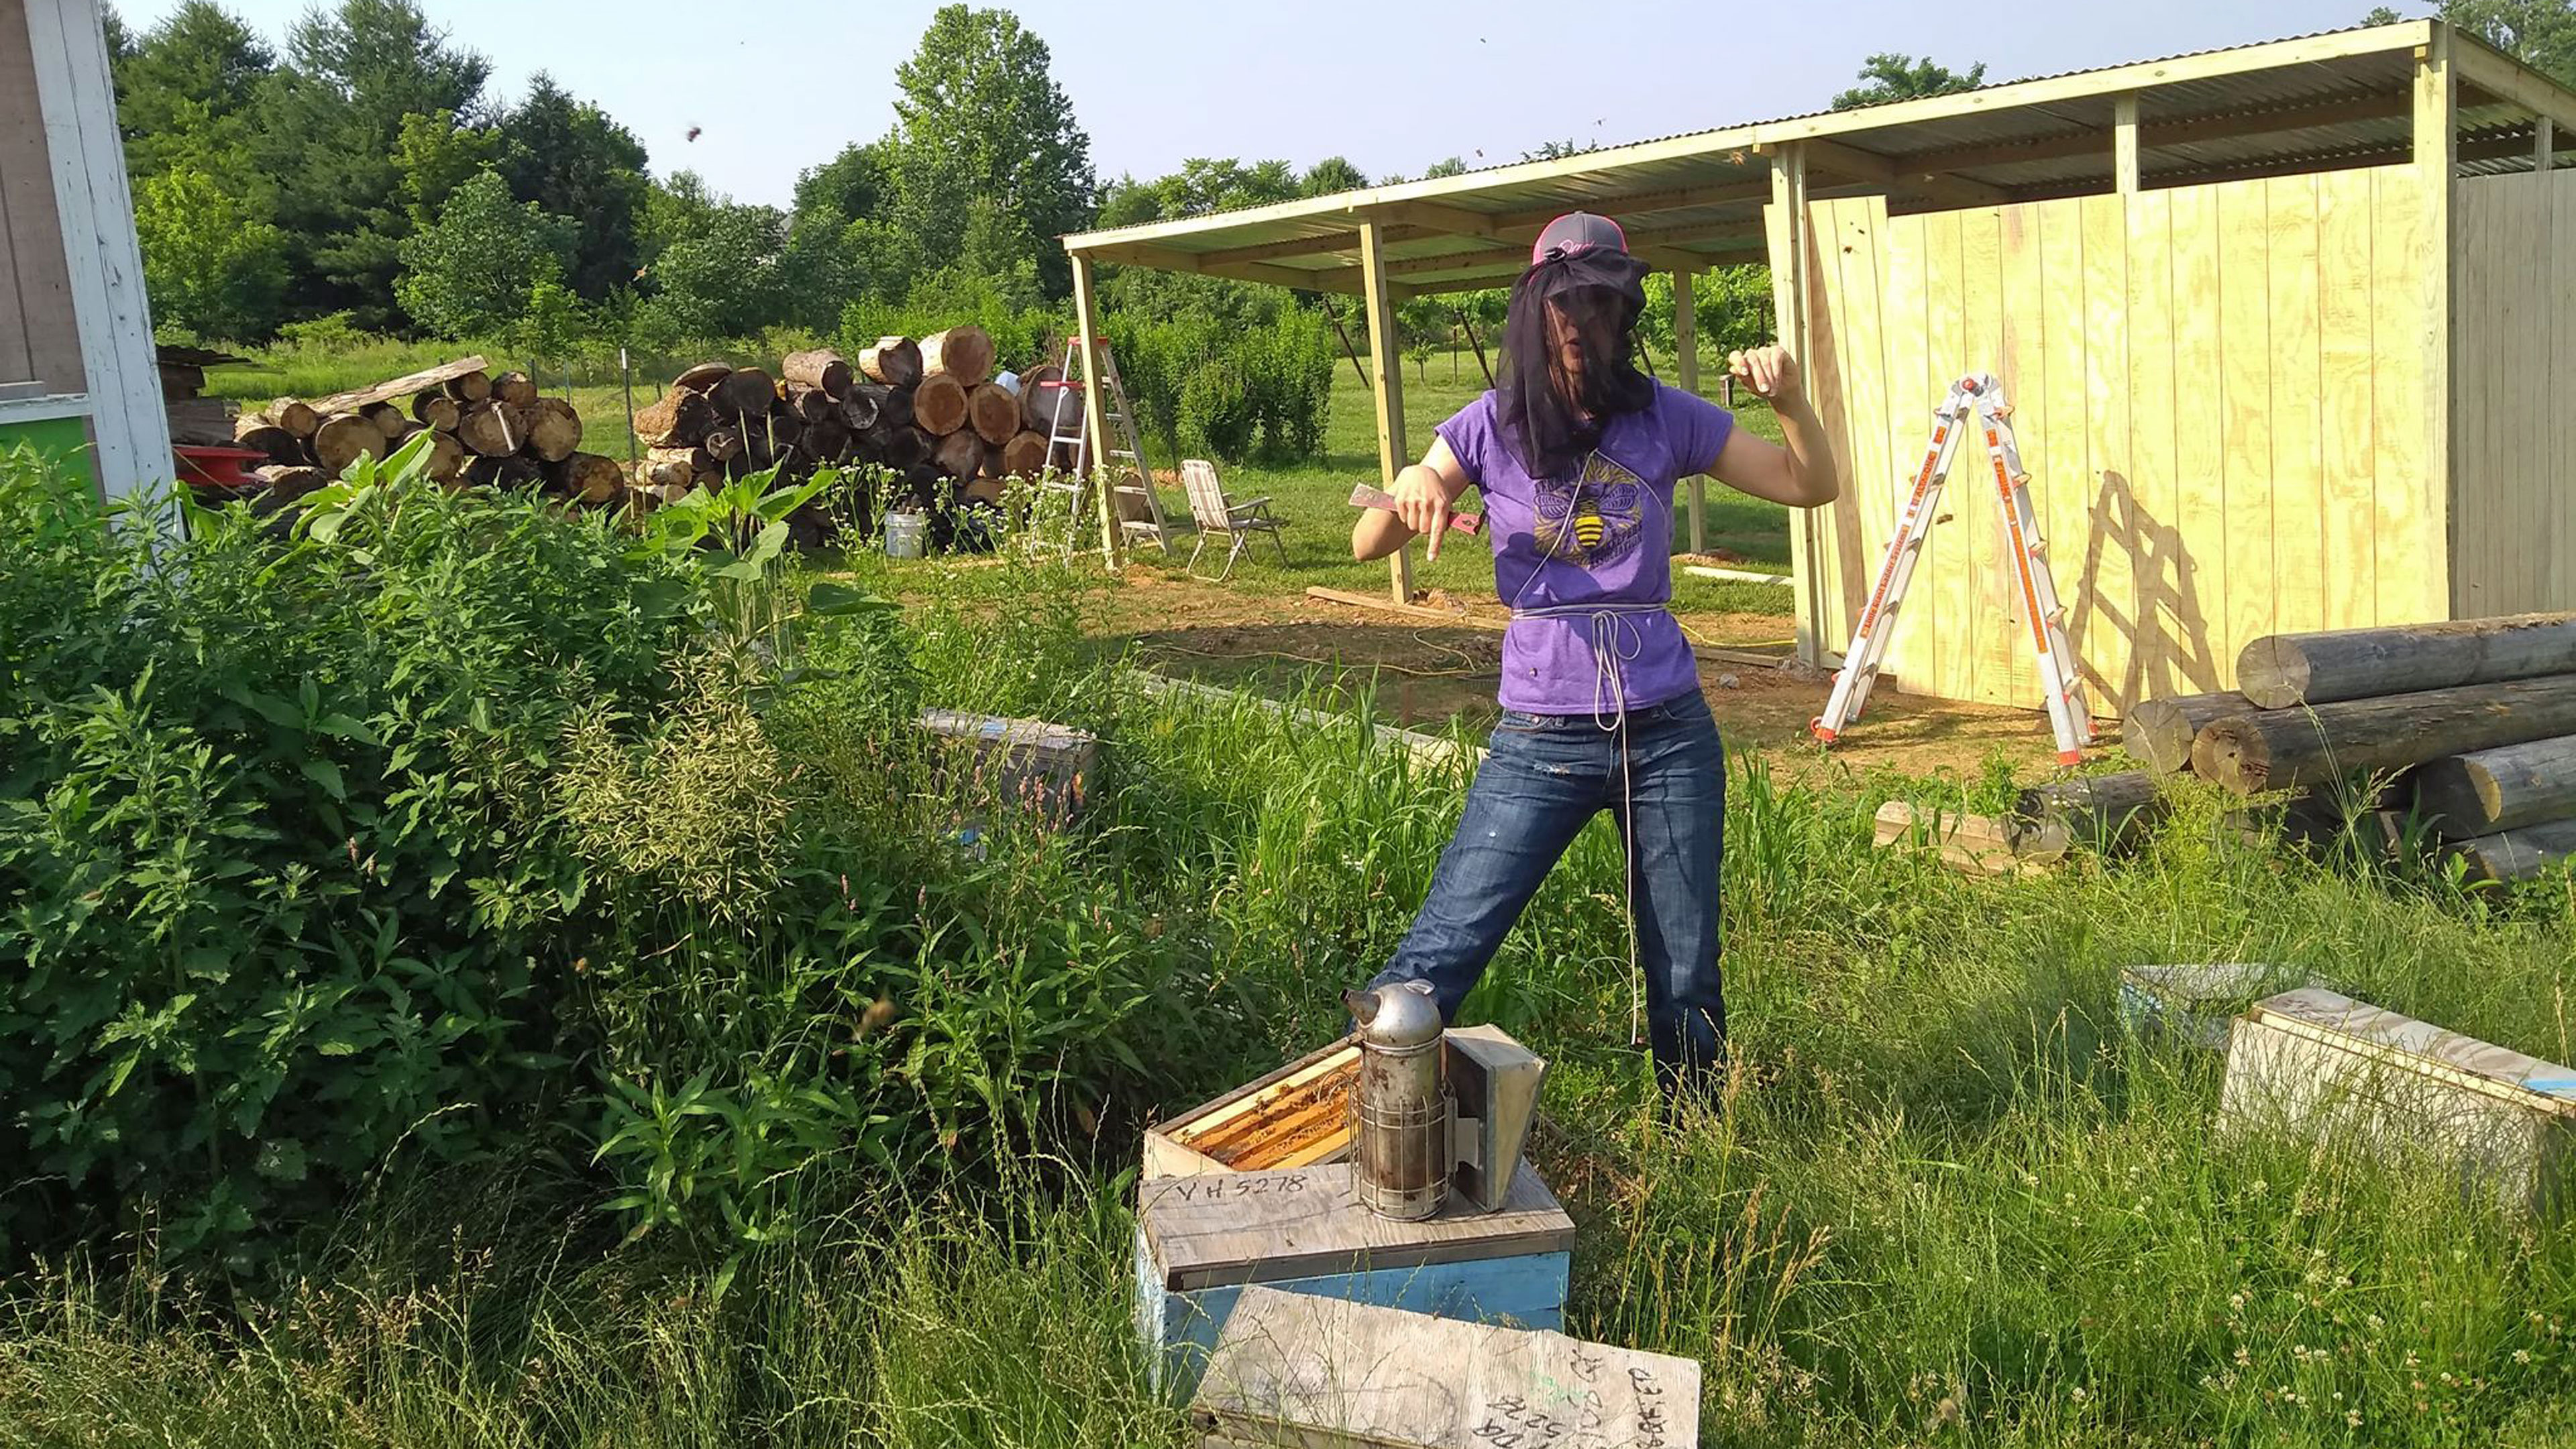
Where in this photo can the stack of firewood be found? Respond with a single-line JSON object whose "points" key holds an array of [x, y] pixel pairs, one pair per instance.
{"points": [[484, 430], [2470, 724], [932, 412]]}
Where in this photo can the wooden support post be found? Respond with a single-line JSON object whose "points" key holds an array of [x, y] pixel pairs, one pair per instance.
{"points": [[1086, 321], [94, 208], [2124, 144], [2544, 146], [1784, 225], [1386, 378], [2436, 163], [1686, 376]]}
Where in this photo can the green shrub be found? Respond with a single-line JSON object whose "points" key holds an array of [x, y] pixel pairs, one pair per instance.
{"points": [[445, 825], [1209, 387]]}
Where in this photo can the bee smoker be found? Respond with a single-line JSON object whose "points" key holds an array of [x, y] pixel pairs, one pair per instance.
{"points": [[1400, 1150]]}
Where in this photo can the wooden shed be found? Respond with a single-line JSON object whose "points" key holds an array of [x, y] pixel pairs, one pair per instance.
{"points": [[2288, 328], [78, 377]]}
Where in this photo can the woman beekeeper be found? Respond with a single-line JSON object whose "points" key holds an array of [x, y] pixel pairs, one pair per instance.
{"points": [[1577, 453]]}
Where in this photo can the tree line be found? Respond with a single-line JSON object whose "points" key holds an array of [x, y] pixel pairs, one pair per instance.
{"points": [[362, 169]]}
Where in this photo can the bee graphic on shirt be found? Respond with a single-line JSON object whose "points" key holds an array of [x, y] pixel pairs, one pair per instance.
{"points": [[1587, 525], [1594, 520]]}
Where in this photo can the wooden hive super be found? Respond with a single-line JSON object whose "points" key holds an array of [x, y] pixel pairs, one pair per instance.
{"points": [[2325, 1065], [1201, 1239]]}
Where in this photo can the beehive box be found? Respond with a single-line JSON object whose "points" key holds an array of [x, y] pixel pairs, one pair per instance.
{"points": [[1294, 1117], [1326, 1373], [1044, 768], [2198, 1004], [1201, 1239], [2324, 1064], [1300, 1114]]}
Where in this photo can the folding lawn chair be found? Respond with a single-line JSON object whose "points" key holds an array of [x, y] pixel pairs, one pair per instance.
{"points": [[1238, 522]]}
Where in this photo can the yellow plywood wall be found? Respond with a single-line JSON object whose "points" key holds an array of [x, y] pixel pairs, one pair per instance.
{"points": [[2219, 394], [2514, 362]]}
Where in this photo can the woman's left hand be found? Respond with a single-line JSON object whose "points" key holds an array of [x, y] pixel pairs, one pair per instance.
{"points": [[1770, 371]]}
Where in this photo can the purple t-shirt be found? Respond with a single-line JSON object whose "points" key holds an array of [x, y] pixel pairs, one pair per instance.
{"points": [[1601, 537]]}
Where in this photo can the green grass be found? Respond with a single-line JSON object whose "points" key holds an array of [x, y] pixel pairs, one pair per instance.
{"points": [[1946, 1201]]}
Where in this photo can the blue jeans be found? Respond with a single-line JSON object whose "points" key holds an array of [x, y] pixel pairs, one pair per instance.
{"points": [[1544, 778]]}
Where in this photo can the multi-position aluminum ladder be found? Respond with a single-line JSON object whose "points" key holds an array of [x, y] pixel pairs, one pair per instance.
{"points": [[1977, 397]]}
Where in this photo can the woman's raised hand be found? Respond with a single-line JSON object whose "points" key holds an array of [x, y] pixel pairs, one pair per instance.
{"points": [[1770, 371]]}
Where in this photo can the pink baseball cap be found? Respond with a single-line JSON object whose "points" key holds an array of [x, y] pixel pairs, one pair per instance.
{"points": [[1575, 233]]}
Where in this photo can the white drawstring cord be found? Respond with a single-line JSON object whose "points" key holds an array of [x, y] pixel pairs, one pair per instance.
{"points": [[1615, 640]]}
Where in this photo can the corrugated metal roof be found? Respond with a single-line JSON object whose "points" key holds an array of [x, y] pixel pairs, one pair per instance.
{"points": [[2321, 101]]}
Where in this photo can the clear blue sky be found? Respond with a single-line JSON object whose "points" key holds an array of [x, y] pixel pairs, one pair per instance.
{"points": [[1392, 84]]}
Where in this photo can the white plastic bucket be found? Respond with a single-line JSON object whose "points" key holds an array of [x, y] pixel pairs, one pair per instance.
{"points": [[903, 535]]}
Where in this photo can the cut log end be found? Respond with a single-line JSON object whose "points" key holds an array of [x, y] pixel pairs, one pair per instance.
{"points": [[297, 418], [960, 454], [588, 477], [994, 413], [893, 361], [820, 368], [2233, 753], [490, 430], [939, 404], [745, 392], [2272, 673], [1025, 455], [434, 408], [343, 437], [553, 429], [963, 352]]}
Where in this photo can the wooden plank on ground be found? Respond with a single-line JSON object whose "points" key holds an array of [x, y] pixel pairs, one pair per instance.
{"points": [[1977, 844], [1427, 749]]}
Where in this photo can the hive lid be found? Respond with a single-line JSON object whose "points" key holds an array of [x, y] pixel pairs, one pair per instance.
{"points": [[1307, 1369], [1214, 1229], [998, 729], [2359, 1026]]}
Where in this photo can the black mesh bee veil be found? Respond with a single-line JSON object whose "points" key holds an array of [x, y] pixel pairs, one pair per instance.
{"points": [[1553, 408]]}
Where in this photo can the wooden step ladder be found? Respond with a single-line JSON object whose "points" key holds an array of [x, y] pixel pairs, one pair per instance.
{"points": [[1130, 477]]}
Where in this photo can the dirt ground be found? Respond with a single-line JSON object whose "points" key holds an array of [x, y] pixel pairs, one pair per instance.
{"points": [[1428, 671]]}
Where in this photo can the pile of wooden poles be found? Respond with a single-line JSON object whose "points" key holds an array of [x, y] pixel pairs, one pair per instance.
{"points": [[932, 412], [2473, 721], [484, 430]]}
